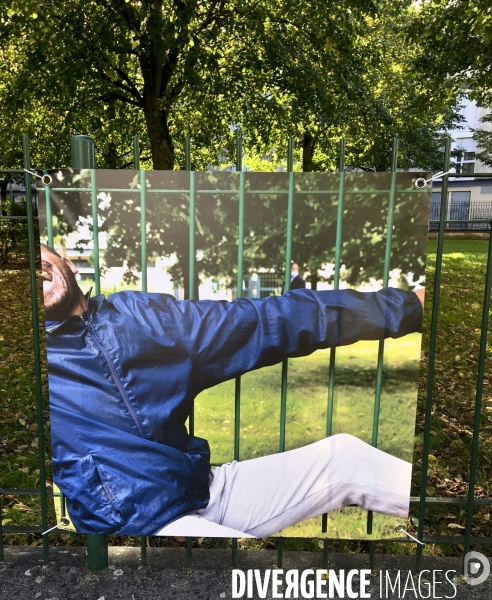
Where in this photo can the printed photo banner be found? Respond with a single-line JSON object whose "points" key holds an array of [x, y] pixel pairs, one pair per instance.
{"points": [[233, 354]]}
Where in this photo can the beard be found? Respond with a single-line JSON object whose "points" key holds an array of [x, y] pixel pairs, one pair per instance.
{"points": [[60, 295]]}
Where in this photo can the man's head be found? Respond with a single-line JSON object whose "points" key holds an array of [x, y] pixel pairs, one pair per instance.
{"points": [[62, 296], [294, 270]]}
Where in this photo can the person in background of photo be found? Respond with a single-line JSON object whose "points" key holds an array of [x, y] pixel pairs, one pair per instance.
{"points": [[123, 376], [296, 281]]}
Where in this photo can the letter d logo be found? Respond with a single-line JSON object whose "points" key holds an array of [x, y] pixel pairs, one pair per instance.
{"points": [[474, 561]]}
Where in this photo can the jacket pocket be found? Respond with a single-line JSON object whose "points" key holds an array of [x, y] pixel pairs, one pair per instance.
{"points": [[96, 501]]}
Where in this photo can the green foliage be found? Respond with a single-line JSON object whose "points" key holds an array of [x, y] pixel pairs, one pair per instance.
{"points": [[457, 42], [262, 69], [484, 141], [177, 62], [13, 232]]}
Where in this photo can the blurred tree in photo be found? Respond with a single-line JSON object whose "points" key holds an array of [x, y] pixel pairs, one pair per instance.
{"points": [[364, 222]]}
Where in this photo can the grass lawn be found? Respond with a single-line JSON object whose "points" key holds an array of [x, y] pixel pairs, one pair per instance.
{"points": [[453, 401], [306, 415], [462, 290]]}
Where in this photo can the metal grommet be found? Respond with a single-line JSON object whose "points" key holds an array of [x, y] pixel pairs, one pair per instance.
{"points": [[400, 529], [420, 183], [46, 179], [64, 522]]}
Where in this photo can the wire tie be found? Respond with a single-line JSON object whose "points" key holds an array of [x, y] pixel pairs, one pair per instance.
{"points": [[399, 529], [64, 522], [46, 179], [421, 182]]}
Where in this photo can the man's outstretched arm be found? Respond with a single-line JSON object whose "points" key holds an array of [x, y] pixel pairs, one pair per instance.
{"points": [[227, 339]]}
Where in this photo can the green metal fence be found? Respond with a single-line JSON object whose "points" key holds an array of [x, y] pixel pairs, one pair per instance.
{"points": [[83, 157]]}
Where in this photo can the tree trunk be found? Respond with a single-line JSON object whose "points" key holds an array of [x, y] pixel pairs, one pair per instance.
{"points": [[111, 156], [308, 143], [161, 143], [184, 262]]}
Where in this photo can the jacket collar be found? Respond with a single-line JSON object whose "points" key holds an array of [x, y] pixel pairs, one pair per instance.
{"points": [[96, 306]]}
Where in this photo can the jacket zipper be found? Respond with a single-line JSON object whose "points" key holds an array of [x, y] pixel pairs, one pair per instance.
{"points": [[114, 374]]}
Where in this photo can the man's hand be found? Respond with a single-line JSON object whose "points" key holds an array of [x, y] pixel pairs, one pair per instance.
{"points": [[421, 295]]}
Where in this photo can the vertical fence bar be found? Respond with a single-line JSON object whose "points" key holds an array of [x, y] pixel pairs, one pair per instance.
{"points": [[288, 257], [372, 547], [192, 237], [95, 230], [482, 356], [49, 215], [83, 157], [387, 266], [136, 153], [62, 505], [143, 549], [143, 247], [325, 553], [285, 363], [187, 154], [336, 285], [239, 293], [191, 282], [136, 167], [143, 227], [143, 230], [280, 552], [432, 350], [36, 343], [2, 557], [189, 542], [191, 265], [336, 281]]}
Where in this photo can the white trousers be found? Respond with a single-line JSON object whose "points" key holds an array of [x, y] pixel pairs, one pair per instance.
{"points": [[263, 495]]}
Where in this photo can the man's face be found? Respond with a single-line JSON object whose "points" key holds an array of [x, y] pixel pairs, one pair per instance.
{"points": [[60, 290]]}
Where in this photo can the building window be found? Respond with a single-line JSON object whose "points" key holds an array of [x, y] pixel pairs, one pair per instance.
{"points": [[466, 163]]}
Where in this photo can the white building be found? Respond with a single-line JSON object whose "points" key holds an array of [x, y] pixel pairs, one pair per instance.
{"points": [[468, 198]]}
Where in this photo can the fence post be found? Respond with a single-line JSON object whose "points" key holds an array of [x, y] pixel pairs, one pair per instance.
{"points": [[36, 341], [424, 468], [83, 157], [83, 152]]}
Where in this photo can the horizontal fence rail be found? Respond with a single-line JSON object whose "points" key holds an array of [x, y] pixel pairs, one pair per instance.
{"points": [[441, 219]]}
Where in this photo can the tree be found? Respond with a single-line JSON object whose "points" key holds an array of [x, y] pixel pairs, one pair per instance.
{"points": [[169, 68], [392, 99], [382, 97], [484, 141], [174, 60], [457, 39], [261, 69]]}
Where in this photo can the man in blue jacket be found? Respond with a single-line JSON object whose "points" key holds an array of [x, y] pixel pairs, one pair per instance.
{"points": [[123, 375]]}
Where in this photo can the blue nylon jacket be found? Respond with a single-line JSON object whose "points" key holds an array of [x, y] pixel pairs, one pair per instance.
{"points": [[123, 378]]}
